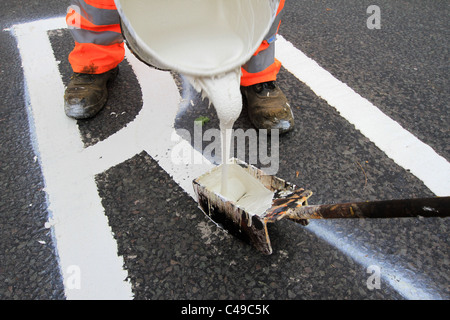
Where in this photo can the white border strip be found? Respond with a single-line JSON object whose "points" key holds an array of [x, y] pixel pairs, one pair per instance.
{"points": [[398, 144], [87, 251]]}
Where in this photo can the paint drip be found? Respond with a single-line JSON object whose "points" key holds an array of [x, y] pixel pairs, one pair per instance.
{"points": [[224, 93], [234, 183]]}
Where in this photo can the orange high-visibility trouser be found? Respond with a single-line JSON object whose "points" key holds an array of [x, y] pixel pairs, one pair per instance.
{"points": [[99, 47]]}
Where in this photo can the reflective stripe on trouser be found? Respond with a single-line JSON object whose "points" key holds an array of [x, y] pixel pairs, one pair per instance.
{"points": [[95, 28], [263, 66]]}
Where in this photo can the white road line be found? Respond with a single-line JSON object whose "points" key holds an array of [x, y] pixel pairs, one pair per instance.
{"points": [[398, 144], [392, 273], [152, 130], [82, 233], [83, 236]]}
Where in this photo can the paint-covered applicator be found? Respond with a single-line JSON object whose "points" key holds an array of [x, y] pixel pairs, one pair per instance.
{"points": [[291, 202]]}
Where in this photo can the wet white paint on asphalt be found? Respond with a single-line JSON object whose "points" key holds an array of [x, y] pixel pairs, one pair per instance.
{"points": [[395, 276], [398, 144], [82, 234], [80, 226]]}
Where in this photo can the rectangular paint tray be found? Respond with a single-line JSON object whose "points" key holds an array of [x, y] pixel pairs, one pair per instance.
{"points": [[234, 218]]}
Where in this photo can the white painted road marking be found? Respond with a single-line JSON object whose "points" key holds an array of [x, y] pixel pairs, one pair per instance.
{"points": [[81, 229], [392, 272], [398, 144], [83, 236]]}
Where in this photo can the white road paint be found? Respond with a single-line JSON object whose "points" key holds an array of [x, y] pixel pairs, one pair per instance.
{"points": [[398, 144], [392, 274], [81, 228], [83, 237], [82, 233]]}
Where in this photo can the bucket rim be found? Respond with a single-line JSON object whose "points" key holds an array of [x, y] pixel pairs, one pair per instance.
{"points": [[154, 59]]}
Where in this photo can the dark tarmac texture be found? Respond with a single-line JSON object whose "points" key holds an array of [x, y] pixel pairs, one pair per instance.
{"points": [[171, 250]]}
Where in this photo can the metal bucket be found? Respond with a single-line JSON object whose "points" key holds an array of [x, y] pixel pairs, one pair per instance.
{"points": [[185, 35]]}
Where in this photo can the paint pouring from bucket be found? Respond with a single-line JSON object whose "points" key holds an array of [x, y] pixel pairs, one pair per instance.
{"points": [[206, 40]]}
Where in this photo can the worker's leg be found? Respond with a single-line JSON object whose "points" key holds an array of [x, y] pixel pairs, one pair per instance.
{"points": [[99, 48], [95, 27], [267, 106], [263, 66]]}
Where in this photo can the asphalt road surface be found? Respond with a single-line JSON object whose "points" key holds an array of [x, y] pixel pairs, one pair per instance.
{"points": [[97, 209]]}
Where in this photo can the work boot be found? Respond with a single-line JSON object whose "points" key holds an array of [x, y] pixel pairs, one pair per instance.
{"points": [[268, 107], [86, 94]]}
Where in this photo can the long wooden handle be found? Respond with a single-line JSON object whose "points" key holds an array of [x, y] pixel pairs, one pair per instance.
{"points": [[425, 207]]}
